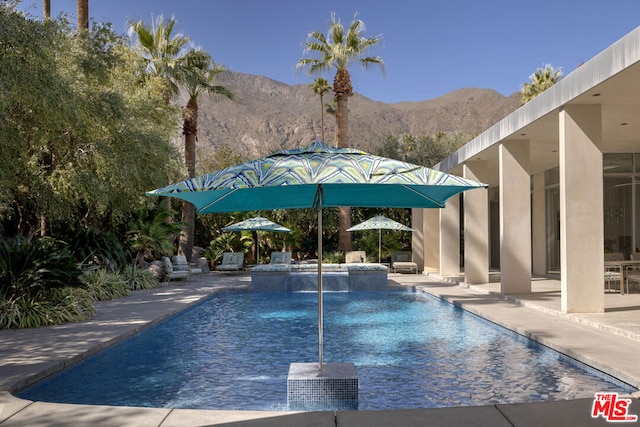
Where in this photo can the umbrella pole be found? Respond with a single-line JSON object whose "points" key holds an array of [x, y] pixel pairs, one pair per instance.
{"points": [[379, 244], [320, 322]]}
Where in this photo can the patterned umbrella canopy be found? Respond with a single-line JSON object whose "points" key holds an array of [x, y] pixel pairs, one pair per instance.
{"points": [[302, 178], [256, 224], [318, 176], [378, 223]]}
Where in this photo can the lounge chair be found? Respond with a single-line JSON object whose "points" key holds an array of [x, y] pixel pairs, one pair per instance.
{"points": [[280, 258], [171, 272], [180, 264], [401, 260], [231, 261], [355, 256]]}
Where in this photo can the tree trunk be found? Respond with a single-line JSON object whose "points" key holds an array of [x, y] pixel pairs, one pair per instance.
{"points": [[190, 130], [83, 15], [342, 135], [46, 9], [342, 122], [322, 118]]}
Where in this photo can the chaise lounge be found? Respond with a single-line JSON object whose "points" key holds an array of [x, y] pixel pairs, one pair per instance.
{"points": [[231, 261], [171, 272], [401, 260]]}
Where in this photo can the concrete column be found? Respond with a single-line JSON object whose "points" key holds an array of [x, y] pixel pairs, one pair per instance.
{"points": [[581, 210], [431, 233], [418, 239], [539, 228], [449, 256], [515, 218], [476, 226]]}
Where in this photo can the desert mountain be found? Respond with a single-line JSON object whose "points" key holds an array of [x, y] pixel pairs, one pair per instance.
{"points": [[268, 115]]}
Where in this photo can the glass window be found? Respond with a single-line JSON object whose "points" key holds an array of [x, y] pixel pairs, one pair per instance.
{"points": [[618, 215], [618, 163], [552, 177]]}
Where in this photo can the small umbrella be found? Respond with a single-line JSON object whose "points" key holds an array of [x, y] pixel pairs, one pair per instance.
{"points": [[318, 176], [256, 224], [378, 223]]}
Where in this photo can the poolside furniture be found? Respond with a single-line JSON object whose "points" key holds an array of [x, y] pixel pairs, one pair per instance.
{"points": [[613, 270], [355, 256], [632, 275], [180, 263], [172, 273], [231, 261], [280, 258], [401, 260]]}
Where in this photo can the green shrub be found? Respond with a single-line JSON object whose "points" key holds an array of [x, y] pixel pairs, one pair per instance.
{"points": [[333, 257], [139, 278], [30, 267], [103, 285], [94, 247], [52, 307]]}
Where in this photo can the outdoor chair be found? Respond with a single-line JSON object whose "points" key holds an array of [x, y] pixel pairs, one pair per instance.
{"points": [[180, 263], [172, 273], [613, 271], [280, 258], [231, 261], [355, 256], [401, 260], [632, 275]]}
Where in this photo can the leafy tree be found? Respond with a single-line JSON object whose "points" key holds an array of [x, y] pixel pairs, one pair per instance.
{"points": [[426, 150], [541, 80], [83, 137], [196, 73], [339, 49], [319, 87]]}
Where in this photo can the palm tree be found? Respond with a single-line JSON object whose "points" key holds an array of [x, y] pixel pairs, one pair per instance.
{"points": [[319, 87], [541, 80], [339, 49], [161, 49], [196, 73]]}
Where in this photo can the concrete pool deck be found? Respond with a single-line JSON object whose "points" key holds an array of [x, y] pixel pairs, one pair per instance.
{"points": [[608, 341]]}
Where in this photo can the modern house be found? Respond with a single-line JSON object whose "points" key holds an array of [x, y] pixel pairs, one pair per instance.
{"points": [[564, 176]]}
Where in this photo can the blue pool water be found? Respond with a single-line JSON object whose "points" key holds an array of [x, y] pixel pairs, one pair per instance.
{"points": [[411, 350]]}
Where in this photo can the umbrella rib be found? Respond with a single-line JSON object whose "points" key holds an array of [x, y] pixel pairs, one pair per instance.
{"points": [[435, 202], [208, 205]]}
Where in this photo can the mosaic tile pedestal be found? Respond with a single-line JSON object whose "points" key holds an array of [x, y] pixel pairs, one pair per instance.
{"points": [[333, 388]]}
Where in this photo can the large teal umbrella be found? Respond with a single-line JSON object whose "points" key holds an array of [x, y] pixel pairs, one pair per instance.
{"points": [[316, 176], [256, 224], [378, 223]]}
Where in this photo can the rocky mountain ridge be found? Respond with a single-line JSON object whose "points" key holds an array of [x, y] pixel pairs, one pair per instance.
{"points": [[267, 115]]}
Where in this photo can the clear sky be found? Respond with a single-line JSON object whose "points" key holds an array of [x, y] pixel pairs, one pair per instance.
{"points": [[430, 48]]}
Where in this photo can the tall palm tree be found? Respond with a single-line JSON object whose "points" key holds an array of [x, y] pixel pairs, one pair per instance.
{"points": [[340, 49], [161, 49], [196, 73], [541, 80], [319, 87]]}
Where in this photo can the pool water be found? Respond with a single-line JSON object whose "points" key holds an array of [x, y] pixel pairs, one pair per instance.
{"points": [[411, 350]]}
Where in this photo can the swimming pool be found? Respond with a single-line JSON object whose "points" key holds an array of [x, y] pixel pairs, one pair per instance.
{"points": [[411, 350]]}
